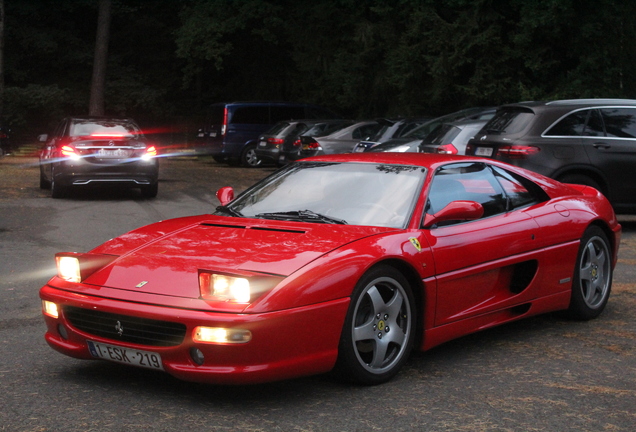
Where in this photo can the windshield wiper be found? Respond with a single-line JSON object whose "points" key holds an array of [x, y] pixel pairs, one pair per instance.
{"points": [[227, 210], [302, 215]]}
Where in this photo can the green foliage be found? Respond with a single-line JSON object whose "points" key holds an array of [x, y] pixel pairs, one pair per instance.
{"points": [[168, 60]]}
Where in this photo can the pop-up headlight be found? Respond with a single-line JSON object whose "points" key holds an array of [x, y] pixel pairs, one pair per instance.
{"points": [[75, 267], [234, 288]]}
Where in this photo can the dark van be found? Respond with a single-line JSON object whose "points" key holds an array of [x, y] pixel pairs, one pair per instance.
{"points": [[232, 129]]}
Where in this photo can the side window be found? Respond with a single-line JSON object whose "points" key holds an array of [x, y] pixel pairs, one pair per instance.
{"points": [[251, 115], [620, 122], [594, 126], [466, 182], [285, 112], [519, 191], [571, 125], [59, 130], [365, 132]]}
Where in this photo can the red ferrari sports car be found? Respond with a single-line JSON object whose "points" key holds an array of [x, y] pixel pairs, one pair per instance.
{"points": [[341, 262]]}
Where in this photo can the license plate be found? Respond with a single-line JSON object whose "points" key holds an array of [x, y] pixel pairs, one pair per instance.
{"points": [[360, 149], [146, 359], [118, 153], [483, 151], [262, 143]]}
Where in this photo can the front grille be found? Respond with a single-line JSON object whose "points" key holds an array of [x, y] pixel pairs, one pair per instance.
{"points": [[124, 328]]}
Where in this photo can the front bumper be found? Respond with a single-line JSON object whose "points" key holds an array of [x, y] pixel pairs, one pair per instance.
{"points": [[285, 344]]}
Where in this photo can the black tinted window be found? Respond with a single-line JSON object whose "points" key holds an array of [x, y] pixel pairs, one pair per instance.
{"points": [[571, 125], [620, 122], [509, 121], [365, 132], [520, 191], [283, 112], [251, 115], [594, 125], [442, 133]]}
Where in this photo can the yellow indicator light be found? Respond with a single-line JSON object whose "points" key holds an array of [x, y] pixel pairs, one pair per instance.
{"points": [[68, 268], [218, 335], [49, 308]]}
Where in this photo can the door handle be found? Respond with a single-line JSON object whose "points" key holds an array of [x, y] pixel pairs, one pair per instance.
{"points": [[602, 146]]}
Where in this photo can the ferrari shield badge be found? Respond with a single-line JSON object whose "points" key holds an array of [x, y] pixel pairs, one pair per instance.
{"points": [[415, 242]]}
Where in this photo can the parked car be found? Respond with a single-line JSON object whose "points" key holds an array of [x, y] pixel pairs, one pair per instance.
{"points": [[451, 138], [340, 141], [232, 129], [94, 151], [339, 262], [281, 143], [389, 129], [420, 132], [585, 141]]}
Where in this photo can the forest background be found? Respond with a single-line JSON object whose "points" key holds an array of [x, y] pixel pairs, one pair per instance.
{"points": [[168, 60]]}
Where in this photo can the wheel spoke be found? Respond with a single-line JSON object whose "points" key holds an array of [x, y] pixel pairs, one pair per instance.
{"points": [[364, 331], [379, 353]]}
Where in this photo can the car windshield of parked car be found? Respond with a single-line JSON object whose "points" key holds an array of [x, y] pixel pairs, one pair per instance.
{"points": [[509, 121], [109, 128], [352, 193]]}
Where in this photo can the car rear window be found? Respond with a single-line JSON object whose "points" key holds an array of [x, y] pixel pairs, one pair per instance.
{"points": [[442, 134], [509, 121]]}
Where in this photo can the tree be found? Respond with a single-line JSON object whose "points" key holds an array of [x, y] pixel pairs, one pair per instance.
{"points": [[98, 83]]}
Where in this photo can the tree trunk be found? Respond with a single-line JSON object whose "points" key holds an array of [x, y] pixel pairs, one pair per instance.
{"points": [[96, 104]]}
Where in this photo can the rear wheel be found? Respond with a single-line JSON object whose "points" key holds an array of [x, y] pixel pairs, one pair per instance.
{"points": [[57, 190], [150, 191], [592, 276], [379, 330], [249, 158], [44, 183]]}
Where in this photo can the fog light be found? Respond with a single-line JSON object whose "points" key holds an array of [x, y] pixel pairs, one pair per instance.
{"points": [[62, 331], [197, 356], [219, 335], [49, 308]]}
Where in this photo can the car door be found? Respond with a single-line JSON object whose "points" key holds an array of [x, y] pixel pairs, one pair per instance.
{"points": [[485, 264], [615, 154]]}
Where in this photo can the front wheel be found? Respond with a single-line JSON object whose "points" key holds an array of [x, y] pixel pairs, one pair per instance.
{"points": [[379, 329], [592, 276]]}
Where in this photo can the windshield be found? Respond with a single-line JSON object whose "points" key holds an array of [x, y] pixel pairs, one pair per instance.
{"points": [[351, 193]]}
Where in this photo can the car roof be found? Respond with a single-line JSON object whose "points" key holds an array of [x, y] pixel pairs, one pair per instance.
{"points": [[570, 103]]}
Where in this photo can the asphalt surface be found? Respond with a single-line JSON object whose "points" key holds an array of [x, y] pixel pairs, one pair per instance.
{"points": [[540, 374]]}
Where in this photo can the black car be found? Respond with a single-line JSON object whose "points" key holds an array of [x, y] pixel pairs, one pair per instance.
{"points": [[92, 151], [281, 144], [451, 138], [585, 141], [389, 129]]}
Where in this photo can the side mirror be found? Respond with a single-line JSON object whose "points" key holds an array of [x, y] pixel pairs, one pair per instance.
{"points": [[225, 195], [457, 210], [43, 137]]}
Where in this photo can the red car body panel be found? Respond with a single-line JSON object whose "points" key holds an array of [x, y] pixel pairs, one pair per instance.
{"points": [[516, 264]]}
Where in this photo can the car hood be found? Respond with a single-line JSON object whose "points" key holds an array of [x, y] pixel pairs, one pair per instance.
{"points": [[169, 264]]}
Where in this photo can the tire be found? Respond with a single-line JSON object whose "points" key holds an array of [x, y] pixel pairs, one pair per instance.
{"points": [[379, 328], [57, 191], [592, 281], [44, 183], [249, 157], [150, 191], [580, 179]]}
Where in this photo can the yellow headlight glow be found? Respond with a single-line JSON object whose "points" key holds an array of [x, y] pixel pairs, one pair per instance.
{"points": [[220, 335], [68, 268], [49, 308], [230, 288]]}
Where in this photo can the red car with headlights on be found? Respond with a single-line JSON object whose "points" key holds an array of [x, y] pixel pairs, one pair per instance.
{"points": [[95, 151], [339, 262]]}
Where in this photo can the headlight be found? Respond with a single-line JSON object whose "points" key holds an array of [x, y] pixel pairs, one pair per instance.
{"points": [[234, 289], [75, 267], [68, 268], [217, 335]]}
